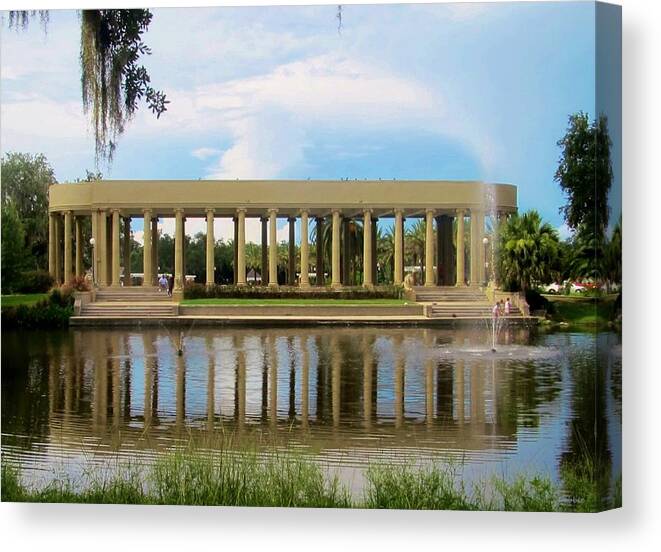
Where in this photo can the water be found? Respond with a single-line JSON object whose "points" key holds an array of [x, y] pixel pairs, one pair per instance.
{"points": [[342, 396]]}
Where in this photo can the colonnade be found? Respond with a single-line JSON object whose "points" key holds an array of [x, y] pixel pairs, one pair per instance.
{"points": [[445, 251], [334, 207]]}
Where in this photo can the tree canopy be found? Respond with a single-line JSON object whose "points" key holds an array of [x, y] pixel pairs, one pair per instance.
{"points": [[25, 181], [585, 174], [113, 80], [528, 249]]}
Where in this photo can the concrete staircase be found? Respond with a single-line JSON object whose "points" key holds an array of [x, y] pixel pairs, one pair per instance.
{"points": [[463, 303], [131, 294], [128, 303]]}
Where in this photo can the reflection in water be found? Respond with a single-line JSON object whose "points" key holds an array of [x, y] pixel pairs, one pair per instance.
{"points": [[346, 396]]}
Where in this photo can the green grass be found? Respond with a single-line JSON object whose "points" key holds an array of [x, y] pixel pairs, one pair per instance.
{"points": [[582, 311], [293, 302], [18, 299], [230, 478]]}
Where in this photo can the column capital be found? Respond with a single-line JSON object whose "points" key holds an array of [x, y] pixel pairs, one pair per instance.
{"points": [[147, 212], [430, 211], [368, 210], [178, 211], [306, 211], [398, 211], [460, 211], [241, 210], [272, 210], [291, 219], [115, 210], [210, 210], [336, 211]]}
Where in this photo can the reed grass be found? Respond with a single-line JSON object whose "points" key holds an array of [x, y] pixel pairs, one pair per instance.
{"points": [[228, 478]]}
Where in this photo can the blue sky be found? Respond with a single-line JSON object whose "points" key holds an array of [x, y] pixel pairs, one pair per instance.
{"points": [[441, 91]]}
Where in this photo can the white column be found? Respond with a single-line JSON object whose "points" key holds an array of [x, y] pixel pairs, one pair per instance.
{"points": [[399, 253], [429, 248], [335, 257], [461, 280], [241, 245], [68, 257], [178, 252], [101, 245], [305, 250], [368, 277], [115, 247], [78, 232], [273, 248], [210, 248], [147, 267]]}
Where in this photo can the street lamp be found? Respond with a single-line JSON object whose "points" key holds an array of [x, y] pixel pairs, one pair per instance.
{"points": [[92, 242], [485, 241]]}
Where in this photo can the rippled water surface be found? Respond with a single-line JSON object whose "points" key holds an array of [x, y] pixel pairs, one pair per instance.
{"points": [[343, 396]]}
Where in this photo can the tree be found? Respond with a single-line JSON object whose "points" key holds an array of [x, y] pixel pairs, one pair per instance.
{"points": [[585, 176], [25, 181], [14, 255], [528, 250], [613, 256], [415, 244], [112, 79], [584, 173]]}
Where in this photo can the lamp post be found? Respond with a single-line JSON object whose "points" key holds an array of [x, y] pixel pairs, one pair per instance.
{"points": [[485, 241], [92, 242]]}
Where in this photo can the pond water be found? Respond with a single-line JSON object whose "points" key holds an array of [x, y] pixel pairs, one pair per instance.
{"points": [[343, 396]]}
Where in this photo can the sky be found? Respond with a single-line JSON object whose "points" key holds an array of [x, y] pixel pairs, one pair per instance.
{"points": [[431, 91]]}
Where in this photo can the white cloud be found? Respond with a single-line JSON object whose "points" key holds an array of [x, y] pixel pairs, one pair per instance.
{"points": [[204, 153]]}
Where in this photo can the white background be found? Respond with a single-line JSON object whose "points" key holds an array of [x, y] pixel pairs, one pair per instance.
{"points": [[635, 527]]}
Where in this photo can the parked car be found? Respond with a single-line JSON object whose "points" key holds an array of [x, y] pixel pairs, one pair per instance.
{"points": [[552, 288]]}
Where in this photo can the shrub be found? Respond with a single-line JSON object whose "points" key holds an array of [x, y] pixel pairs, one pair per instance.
{"points": [[200, 291], [45, 314], [538, 302], [35, 281], [78, 283]]}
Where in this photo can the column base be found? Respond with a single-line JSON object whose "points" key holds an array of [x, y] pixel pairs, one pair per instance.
{"points": [[336, 285], [273, 285], [369, 286], [241, 284], [460, 284], [304, 285], [177, 295], [430, 284]]}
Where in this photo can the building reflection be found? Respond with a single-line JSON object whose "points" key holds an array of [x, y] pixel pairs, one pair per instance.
{"points": [[313, 386]]}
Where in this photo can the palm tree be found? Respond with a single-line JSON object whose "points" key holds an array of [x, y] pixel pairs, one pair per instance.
{"points": [[385, 252], [356, 245], [415, 244], [254, 258], [528, 250]]}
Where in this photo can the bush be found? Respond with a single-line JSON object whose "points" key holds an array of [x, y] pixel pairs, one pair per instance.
{"points": [[44, 314], [35, 281], [62, 296], [200, 291], [78, 283], [536, 301]]}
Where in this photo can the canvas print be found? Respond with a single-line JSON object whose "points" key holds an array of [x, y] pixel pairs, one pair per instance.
{"points": [[329, 256]]}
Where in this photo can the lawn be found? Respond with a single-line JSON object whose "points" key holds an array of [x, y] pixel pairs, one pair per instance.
{"points": [[583, 311], [18, 299], [293, 302]]}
